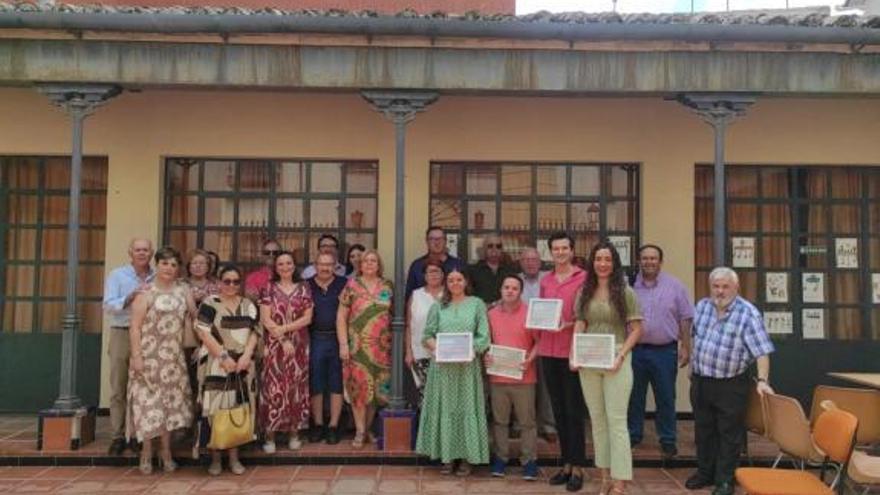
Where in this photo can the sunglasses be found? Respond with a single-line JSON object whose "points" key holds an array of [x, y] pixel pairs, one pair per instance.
{"points": [[231, 281], [495, 246], [270, 252]]}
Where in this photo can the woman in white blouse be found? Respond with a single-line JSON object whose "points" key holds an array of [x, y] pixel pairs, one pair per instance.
{"points": [[417, 357]]}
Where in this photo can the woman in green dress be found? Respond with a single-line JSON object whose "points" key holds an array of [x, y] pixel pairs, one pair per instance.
{"points": [[453, 422]]}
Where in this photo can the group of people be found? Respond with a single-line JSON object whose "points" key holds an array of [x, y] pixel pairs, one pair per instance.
{"points": [[284, 343]]}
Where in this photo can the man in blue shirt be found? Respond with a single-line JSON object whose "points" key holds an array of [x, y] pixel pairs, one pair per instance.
{"points": [[435, 239], [728, 336], [120, 289]]}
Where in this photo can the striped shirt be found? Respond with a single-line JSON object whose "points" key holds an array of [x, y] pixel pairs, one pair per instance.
{"points": [[724, 348]]}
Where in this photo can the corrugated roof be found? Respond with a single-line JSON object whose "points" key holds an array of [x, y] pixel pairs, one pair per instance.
{"points": [[795, 17]]}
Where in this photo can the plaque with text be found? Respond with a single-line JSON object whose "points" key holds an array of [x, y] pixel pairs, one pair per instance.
{"points": [[544, 314], [593, 350], [506, 361], [454, 347]]}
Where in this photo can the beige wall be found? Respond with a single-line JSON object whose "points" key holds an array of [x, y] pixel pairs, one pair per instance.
{"points": [[137, 129]]}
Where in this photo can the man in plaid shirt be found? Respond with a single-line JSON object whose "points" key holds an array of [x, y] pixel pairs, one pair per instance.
{"points": [[728, 336]]}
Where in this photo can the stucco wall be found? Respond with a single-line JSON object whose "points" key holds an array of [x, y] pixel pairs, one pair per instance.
{"points": [[137, 129]]}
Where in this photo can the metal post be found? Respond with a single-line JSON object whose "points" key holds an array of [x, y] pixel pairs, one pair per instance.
{"points": [[78, 102], [718, 110], [400, 108]]}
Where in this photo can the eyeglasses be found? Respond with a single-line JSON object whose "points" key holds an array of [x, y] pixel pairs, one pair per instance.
{"points": [[322, 246], [495, 246], [271, 252], [231, 281], [436, 238]]}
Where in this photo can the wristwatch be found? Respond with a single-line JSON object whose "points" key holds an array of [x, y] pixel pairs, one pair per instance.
{"points": [[762, 380]]}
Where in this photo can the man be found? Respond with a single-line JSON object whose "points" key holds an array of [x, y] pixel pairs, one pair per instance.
{"points": [[435, 239], [663, 348], [325, 367], [258, 278], [486, 275], [120, 289], [327, 244], [530, 264], [729, 336], [554, 348], [507, 322]]}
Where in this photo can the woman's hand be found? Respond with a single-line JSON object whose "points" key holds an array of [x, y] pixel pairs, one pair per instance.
{"points": [[344, 353], [618, 362], [487, 360], [277, 331], [288, 347], [244, 362], [228, 365], [136, 363]]}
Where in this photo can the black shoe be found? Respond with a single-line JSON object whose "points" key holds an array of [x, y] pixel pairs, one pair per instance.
{"points": [[697, 482], [725, 488], [669, 451], [560, 478], [316, 434], [575, 483], [135, 446], [333, 436], [117, 447]]}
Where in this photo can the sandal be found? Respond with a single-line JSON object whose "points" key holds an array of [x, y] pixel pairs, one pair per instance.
{"points": [[605, 488], [168, 465], [464, 469], [449, 467], [358, 441], [146, 466]]}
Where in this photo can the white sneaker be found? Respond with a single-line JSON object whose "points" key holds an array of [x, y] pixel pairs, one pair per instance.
{"points": [[294, 443], [269, 447]]}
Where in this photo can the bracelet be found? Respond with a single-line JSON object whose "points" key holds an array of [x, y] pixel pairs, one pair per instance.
{"points": [[762, 380], [224, 356]]}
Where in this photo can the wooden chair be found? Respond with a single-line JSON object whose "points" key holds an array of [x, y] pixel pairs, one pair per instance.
{"points": [[863, 403], [834, 433]]}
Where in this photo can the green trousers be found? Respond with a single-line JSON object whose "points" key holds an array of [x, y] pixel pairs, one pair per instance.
{"points": [[607, 397]]}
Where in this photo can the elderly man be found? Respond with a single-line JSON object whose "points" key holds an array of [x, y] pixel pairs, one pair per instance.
{"points": [[435, 239], [327, 244], [120, 289], [258, 278], [487, 274], [663, 348], [728, 337]]}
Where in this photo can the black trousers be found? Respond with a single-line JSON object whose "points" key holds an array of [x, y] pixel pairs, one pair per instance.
{"points": [[719, 422], [569, 409]]}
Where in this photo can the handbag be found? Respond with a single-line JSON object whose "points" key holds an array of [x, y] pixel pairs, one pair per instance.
{"points": [[232, 426]]}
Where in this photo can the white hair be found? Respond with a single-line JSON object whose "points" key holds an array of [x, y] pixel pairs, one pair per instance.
{"points": [[724, 273]]}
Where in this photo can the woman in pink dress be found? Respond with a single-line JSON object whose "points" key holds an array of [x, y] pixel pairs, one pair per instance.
{"points": [[285, 312]]}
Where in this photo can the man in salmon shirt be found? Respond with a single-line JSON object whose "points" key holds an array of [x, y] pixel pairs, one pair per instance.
{"points": [[562, 382], [507, 322]]}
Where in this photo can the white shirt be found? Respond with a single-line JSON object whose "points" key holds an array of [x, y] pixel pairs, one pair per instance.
{"points": [[419, 304], [531, 286]]}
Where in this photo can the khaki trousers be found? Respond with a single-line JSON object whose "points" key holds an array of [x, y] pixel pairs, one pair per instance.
{"points": [[119, 351], [607, 397], [521, 399]]}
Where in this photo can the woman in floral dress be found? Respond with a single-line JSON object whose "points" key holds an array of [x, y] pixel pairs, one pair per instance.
{"points": [[363, 326], [159, 398], [285, 312], [453, 422]]}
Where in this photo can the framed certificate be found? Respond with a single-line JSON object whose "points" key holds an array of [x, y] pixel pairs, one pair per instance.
{"points": [[544, 314], [455, 347], [593, 350], [506, 361]]}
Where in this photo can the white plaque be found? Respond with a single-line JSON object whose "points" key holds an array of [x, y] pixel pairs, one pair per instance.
{"points": [[544, 250], [875, 288], [743, 252], [814, 323], [814, 287], [452, 244], [846, 252], [776, 287], [544, 314], [623, 245], [592, 350], [778, 322], [455, 347], [506, 361]]}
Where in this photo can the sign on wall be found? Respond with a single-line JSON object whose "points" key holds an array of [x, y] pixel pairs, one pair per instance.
{"points": [[743, 252]]}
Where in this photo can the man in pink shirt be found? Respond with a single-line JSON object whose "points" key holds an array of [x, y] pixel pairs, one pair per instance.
{"points": [[554, 348], [507, 322], [260, 277]]}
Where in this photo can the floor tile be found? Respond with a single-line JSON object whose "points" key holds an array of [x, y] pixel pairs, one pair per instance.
{"points": [[174, 487], [353, 486], [444, 487], [309, 486], [358, 472], [39, 486], [222, 486], [21, 473], [83, 487], [273, 472], [317, 473], [127, 485], [398, 486]]}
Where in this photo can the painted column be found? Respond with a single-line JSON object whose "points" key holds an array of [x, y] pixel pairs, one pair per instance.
{"points": [[718, 110], [78, 101], [400, 107]]}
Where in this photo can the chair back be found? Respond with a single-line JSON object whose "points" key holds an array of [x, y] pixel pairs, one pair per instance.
{"points": [[789, 428], [756, 416], [863, 403], [835, 433]]}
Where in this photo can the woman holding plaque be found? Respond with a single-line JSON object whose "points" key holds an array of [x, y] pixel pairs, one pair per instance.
{"points": [[453, 422], [608, 306]]}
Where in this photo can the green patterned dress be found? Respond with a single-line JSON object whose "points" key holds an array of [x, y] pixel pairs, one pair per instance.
{"points": [[453, 421], [367, 375]]}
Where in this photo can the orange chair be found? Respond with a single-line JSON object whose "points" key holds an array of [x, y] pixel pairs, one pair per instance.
{"points": [[864, 403], [834, 434], [756, 419], [789, 428]]}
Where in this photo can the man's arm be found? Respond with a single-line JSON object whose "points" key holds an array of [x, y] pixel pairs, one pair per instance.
{"points": [[684, 341], [115, 300], [764, 375]]}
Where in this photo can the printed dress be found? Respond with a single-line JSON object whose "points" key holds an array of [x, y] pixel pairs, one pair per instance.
{"points": [[367, 375], [159, 398], [284, 382], [453, 421]]}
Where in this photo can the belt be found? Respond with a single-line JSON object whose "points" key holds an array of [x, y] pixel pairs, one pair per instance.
{"points": [[120, 328], [658, 346], [323, 335]]}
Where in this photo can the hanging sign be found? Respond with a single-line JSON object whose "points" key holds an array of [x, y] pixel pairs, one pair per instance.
{"points": [[623, 245], [778, 322], [814, 323]]}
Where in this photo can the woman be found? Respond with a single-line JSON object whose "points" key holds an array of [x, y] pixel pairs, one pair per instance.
{"points": [[159, 399], [215, 263], [228, 327], [453, 423], [353, 260], [420, 302], [201, 282], [607, 305], [285, 312], [363, 328]]}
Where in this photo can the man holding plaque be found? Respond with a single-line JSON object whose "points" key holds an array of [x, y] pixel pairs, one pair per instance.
{"points": [[663, 348], [510, 364], [729, 336]]}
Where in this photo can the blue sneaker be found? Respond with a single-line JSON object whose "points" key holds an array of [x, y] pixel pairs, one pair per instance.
{"points": [[530, 471], [497, 467]]}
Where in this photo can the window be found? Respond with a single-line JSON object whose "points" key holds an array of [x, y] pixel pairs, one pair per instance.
{"points": [[804, 241], [34, 197], [525, 203], [232, 206]]}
